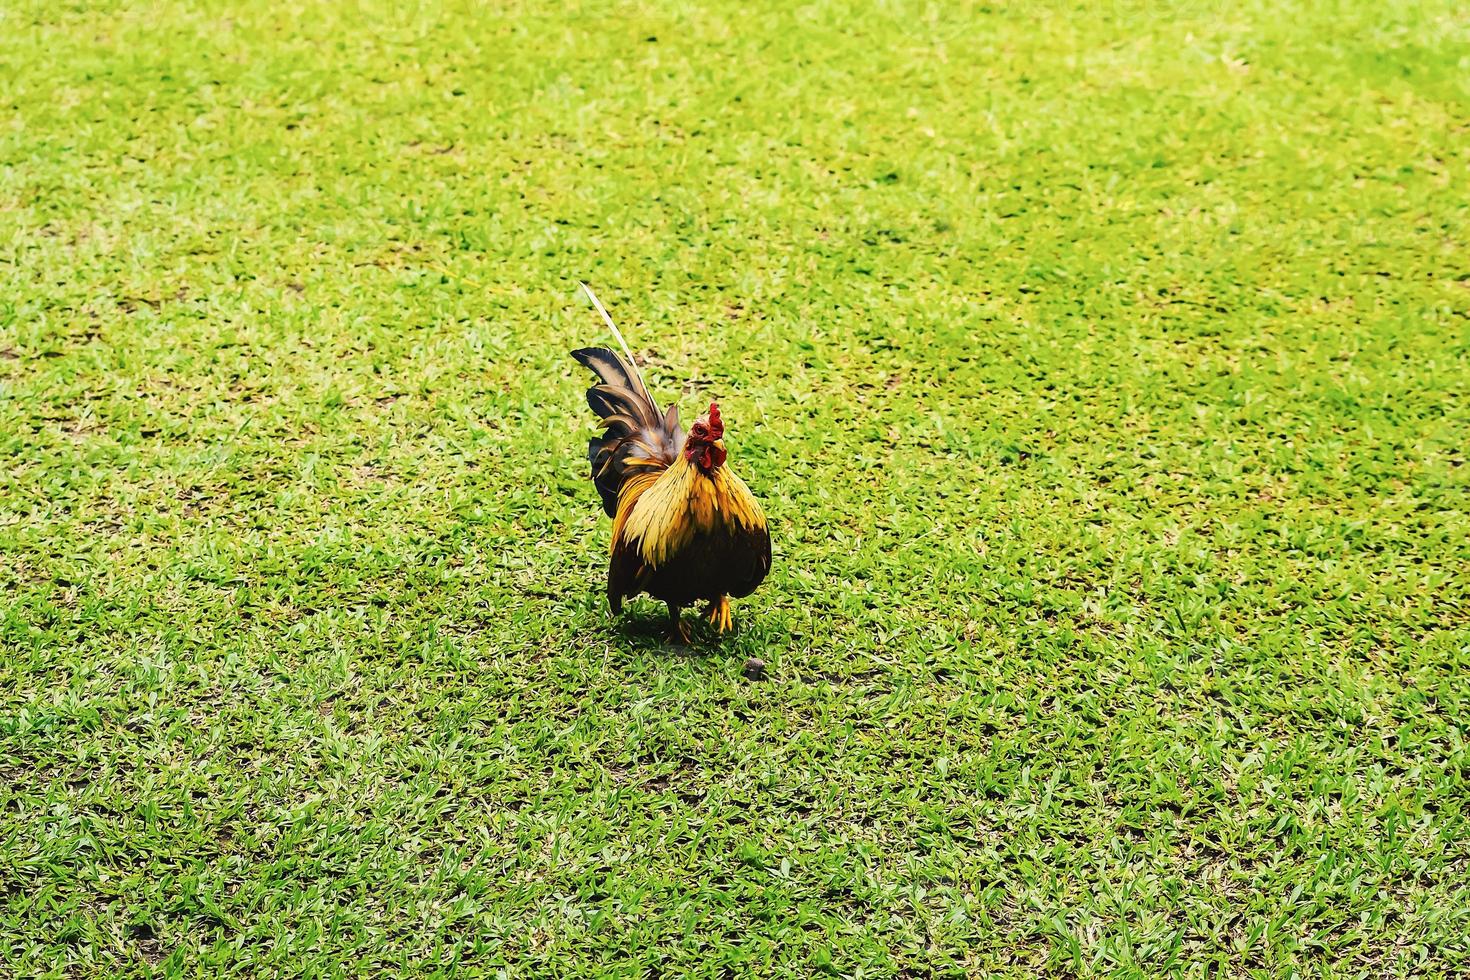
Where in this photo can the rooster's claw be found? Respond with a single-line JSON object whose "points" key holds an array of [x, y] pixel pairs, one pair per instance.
{"points": [[718, 614]]}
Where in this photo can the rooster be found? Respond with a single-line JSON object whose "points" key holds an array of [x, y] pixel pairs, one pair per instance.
{"points": [[685, 528]]}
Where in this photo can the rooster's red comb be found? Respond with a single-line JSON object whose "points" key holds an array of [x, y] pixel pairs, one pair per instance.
{"points": [[716, 427]]}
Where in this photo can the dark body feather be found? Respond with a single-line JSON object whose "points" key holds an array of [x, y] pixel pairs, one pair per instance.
{"points": [[720, 563]]}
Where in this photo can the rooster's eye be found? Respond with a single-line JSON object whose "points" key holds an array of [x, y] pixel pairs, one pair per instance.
{"points": [[699, 431]]}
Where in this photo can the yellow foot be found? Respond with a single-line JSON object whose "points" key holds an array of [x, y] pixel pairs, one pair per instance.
{"points": [[718, 614], [679, 633]]}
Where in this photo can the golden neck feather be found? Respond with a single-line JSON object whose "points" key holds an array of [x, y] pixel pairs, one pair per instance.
{"points": [[663, 513]]}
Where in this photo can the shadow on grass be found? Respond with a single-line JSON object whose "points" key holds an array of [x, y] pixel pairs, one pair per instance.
{"points": [[647, 630]]}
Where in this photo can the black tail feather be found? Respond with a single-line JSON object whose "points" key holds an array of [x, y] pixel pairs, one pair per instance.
{"points": [[637, 436]]}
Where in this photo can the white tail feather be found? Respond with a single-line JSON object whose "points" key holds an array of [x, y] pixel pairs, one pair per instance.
{"points": [[621, 343]]}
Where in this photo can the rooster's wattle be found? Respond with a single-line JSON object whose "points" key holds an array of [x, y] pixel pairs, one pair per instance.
{"points": [[685, 528]]}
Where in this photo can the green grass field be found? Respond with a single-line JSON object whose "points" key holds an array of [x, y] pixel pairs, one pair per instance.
{"points": [[1103, 369]]}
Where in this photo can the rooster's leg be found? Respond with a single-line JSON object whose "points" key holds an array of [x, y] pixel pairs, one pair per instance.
{"points": [[718, 614], [678, 629]]}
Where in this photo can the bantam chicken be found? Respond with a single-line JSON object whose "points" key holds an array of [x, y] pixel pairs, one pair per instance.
{"points": [[685, 528]]}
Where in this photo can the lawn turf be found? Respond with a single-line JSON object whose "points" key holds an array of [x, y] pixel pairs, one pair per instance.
{"points": [[1103, 370]]}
